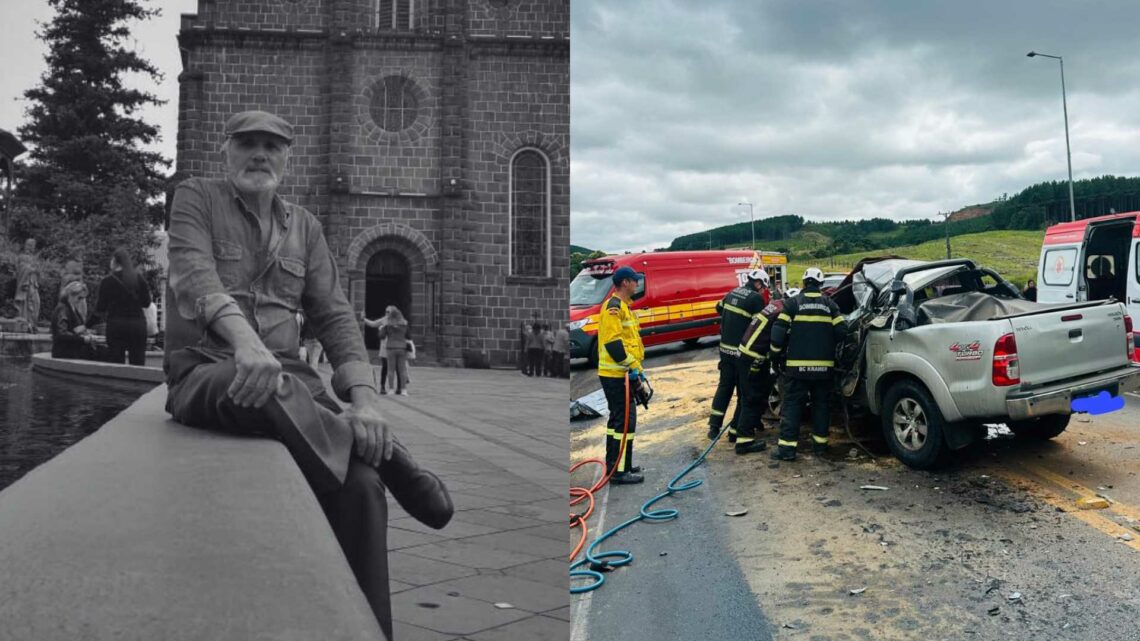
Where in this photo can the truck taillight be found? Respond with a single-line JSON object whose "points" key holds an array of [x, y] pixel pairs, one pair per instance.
{"points": [[1130, 344], [1006, 370]]}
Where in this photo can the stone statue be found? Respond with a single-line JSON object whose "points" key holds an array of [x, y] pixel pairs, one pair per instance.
{"points": [[28, 286]]}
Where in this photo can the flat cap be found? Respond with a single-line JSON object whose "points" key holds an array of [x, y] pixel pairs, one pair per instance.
{"points": [[248, 122]]}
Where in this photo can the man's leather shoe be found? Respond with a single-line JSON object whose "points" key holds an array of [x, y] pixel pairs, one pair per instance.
{"points": [[626, 478], [749, 448], [421, 493]]}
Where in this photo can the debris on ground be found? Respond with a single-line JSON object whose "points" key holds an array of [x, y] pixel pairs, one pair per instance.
{"points": [[873, 487], [504, 606], [736, 513], [857, 591], [1092, 503], [993, 611], [1082, 442], [1125, 537], [1016, 596]]}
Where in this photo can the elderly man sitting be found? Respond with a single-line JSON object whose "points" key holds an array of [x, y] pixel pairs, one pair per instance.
{"points": [[242, 262]]}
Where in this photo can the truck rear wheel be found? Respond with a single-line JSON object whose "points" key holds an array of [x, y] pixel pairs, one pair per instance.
{"points": [[913, 425], [691, 342], [1044, 427]]}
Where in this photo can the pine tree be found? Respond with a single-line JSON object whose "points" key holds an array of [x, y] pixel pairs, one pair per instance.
{"points": [[89, 185]]}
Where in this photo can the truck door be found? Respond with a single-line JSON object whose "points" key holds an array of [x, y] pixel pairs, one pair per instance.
{"points": [[1058, 274], [1132, 295]]}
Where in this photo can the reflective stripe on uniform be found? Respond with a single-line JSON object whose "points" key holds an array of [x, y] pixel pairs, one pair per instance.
{"points": [[748, 352], [819, 439], [618, 434], [837, 320], [732, 348], [811, 363], [783, 443], [812, 294], [784, 317], [741, 440], [811, 319], [717, 413], [775, 348], [612, 368], [628, 323], [736, 310]]}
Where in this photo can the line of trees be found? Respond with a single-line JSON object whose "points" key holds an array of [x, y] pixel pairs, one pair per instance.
{"points": [[1035, 207]]}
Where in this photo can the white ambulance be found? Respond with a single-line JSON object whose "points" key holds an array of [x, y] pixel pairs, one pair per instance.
{"points": [[1092, 259]]}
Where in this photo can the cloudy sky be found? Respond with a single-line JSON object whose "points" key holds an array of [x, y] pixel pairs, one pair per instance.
{"points": [[23, 53], [834, 110]]}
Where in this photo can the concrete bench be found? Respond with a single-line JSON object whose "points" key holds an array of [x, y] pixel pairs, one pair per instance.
{"points": [[151, 530]]}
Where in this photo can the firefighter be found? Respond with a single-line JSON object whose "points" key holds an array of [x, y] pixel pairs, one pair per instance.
{"points": [[619, 359], [755, 345], [804, 339], [739, 307]]}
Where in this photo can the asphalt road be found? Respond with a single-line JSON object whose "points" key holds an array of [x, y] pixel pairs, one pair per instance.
{"points": [[939, 553]]}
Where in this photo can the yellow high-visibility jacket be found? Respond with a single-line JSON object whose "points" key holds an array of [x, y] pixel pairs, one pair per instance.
{"points": [[619, 339]]}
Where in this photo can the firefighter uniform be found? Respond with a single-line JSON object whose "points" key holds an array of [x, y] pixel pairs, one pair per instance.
{"points": [[739, 308], [804, 337], [755, 345], [620, 352]]}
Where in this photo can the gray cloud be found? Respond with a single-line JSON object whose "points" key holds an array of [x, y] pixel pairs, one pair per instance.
{"points": [[834, 110]]}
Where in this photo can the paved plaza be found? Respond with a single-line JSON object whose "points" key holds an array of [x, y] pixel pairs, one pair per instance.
{"points": [[499, 440]]}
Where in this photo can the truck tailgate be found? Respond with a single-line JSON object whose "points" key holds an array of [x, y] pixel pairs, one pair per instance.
{"points": [[1076, 340]]}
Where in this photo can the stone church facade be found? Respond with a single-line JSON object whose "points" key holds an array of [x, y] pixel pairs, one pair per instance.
{"points": [[432, 142]]}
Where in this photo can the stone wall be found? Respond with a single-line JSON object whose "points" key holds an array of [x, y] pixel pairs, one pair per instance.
{"points": [[484, 78]]}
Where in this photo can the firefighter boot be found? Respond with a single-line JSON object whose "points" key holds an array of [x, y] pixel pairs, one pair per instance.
{"points": [[784, 453], [626, 478], [748, 447], [421, 493]]}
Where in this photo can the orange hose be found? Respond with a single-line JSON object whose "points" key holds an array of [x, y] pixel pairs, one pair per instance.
{"points": [[579, 494]]}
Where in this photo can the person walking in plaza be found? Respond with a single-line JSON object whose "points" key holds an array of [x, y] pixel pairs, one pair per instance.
{"points": [[739, 307], [28, 286], [804, 339], [620, 352], [534, 350], [561, 351], [397, 343], [382, 353], [547, 350], [123, 295], [242, 262]]}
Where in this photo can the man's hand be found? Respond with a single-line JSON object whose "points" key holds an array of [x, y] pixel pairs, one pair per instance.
{"points": [[80, 329], [258, 374], [369, 429]]}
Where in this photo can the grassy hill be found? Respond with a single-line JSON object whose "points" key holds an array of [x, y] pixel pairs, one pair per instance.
{"points": [[1013, 254]]}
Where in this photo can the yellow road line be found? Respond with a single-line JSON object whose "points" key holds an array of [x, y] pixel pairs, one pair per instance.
{"points": [[1057, 491]]}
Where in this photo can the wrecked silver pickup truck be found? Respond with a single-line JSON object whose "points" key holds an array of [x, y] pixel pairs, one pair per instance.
{"points": [[939, 348]]}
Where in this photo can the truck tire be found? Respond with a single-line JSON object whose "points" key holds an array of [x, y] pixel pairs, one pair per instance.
{"points": [[775, 398], [691, 342], [913, 425], [1044, 427]]}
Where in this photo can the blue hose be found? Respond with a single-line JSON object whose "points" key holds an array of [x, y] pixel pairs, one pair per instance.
{"points": [[618, 558]]}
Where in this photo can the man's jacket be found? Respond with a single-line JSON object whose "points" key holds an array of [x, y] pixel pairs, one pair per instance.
{"points": [[219, 267], [806, 333], [739, 308], [619, 340]]}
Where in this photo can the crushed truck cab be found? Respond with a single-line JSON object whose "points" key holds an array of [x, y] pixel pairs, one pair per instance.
{"points": [[939, 348]]}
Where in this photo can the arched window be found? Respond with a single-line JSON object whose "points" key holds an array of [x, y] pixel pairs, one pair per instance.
{"points": [[395, 15], [530, 214]]}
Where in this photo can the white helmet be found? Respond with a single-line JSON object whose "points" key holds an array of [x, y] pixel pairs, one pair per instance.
{"points": [[792, 292], [814, 273], [758, 274]]}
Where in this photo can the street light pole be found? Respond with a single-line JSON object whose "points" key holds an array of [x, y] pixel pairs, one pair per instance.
{"points": [[752, 219], [1065, 108], [946, 224]]}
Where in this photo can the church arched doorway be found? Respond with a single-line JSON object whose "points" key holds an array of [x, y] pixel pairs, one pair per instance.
{"points": [[388, 281]]}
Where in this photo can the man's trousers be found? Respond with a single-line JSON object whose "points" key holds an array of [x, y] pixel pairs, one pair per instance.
{"points": [[306, 419], [616, 400], [795, 396], [734, 376]]}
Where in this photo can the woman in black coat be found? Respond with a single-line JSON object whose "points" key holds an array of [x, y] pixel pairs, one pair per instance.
{"points": [[123, 295], [69, 335]]}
